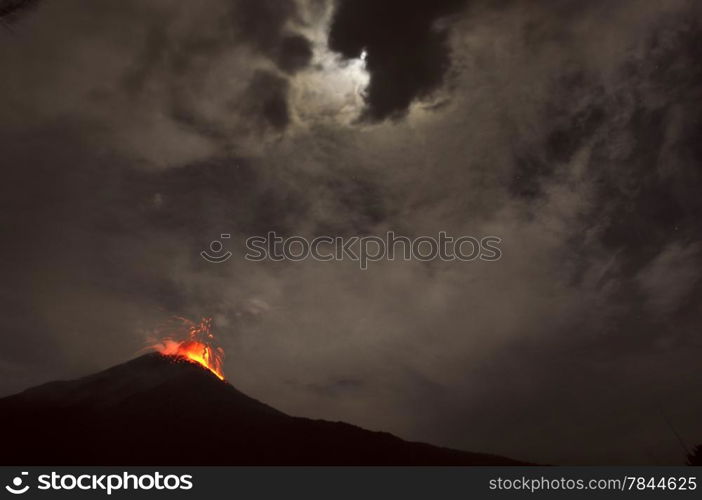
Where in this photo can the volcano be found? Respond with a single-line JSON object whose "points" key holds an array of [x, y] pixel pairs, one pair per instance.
{"points": [[165, 410]]}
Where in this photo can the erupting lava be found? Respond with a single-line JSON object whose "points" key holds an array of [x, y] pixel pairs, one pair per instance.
{"points": [[197, 347]]}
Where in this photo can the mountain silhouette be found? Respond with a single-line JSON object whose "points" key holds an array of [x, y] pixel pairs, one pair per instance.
{"points": [[162, 410]]}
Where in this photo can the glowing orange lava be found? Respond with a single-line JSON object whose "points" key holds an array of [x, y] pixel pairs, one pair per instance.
{"points": [[197, 346]]}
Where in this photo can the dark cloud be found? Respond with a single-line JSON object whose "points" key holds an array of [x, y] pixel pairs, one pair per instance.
{"points": [[265, 26], [267, 96], [12, 10], [644, 173], [183, 61], [407, 49], [262, 23], [294, 54]]}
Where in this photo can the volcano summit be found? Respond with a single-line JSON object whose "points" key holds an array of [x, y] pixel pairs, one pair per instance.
{"points": [[166, 410]]}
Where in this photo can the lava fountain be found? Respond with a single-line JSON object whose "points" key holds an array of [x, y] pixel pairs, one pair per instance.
{"points": [[196, 346]]}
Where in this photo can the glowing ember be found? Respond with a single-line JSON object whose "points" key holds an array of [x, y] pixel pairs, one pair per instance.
{"points": [[196, 347]]}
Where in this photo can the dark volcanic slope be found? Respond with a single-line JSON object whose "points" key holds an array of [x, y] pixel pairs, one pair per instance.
{"points": [[157, 410]]}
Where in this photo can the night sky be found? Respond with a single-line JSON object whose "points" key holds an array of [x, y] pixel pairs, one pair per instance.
{"points": [[134, 132]]}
